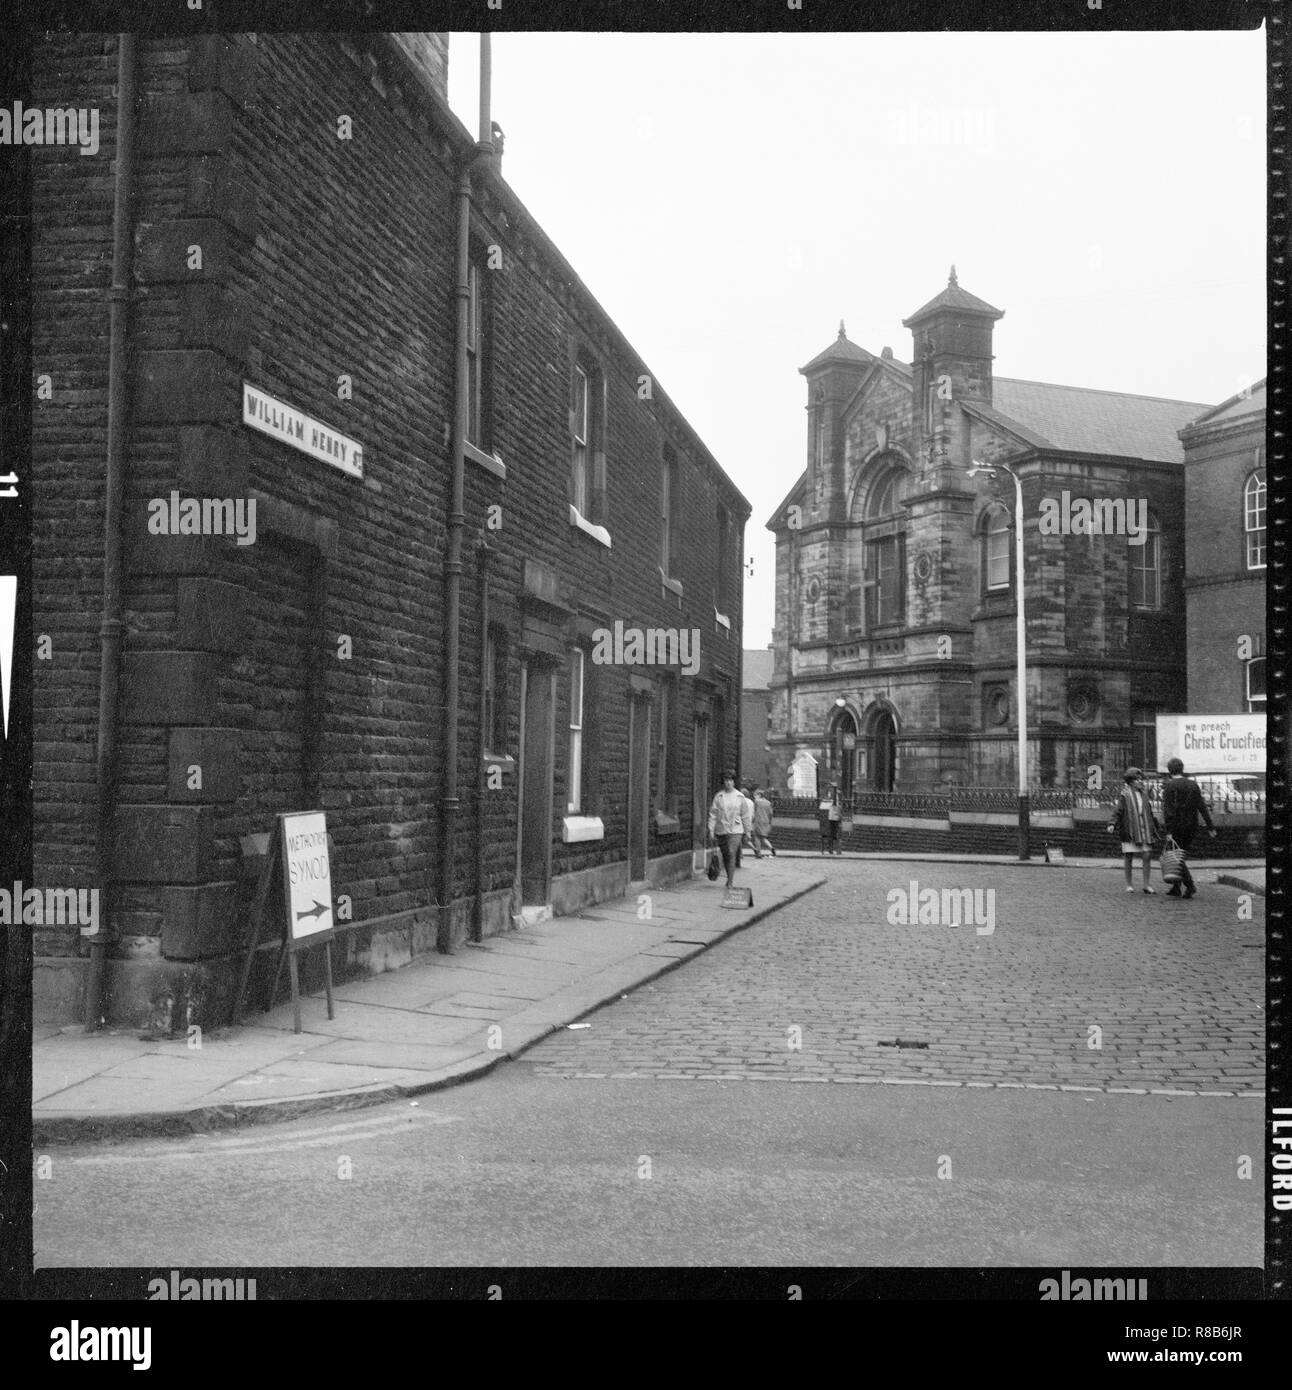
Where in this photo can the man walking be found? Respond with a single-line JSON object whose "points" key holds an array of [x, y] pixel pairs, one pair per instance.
{"points": [[762, 823], [1182, 804]]}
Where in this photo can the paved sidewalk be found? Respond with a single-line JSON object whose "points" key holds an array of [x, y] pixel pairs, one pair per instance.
{"points": [[434, 1023]]}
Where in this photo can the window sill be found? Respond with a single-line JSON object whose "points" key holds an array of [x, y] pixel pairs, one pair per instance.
{"points": [[674, 586], [504, 761], [491, 463], [598, 533], [576, 828], [721, 623]]}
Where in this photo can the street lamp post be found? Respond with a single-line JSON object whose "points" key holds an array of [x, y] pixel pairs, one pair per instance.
{"points": [[1020, 642]]}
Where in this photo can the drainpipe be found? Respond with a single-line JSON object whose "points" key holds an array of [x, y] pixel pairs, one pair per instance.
{"points": [[483, 554], [449, 802], [111, 628]]}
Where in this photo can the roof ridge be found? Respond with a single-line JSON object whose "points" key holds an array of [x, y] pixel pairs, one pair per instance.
{"points": [[1098, 391]]}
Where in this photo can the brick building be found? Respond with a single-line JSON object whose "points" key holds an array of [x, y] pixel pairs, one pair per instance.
{"points": [[291, 312], [895, 589], [755, 718], [1225, 519]]}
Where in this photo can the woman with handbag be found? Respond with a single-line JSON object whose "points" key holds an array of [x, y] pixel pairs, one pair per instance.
{"points": [[1134, 824], [730, 821]]}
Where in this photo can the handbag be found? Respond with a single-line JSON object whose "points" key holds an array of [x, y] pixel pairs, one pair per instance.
{"points": [[1172, 861], [714, 868]]}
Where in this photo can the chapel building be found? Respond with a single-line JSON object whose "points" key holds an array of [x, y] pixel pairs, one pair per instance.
{"points": [[895, 632]]}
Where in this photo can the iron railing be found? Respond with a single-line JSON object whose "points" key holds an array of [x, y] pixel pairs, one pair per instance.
{"points": [[1226, 795]]}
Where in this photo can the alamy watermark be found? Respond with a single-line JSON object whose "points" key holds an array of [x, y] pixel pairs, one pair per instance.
{"points": [[53, 125], [652, 646], [1066, 515], [941, 125], [50, 907], [1066, 1289], [77, 1343], [182, 1289], [203, 516], [946, 907]]}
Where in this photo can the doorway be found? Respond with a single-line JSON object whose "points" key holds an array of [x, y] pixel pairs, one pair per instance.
{"points": [[638, 787], [843, 752], [700, 783], [885, 738], [538, 707]]}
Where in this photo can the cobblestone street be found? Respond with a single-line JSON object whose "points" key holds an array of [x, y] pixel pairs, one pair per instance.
{"points": [[1080, 984]]}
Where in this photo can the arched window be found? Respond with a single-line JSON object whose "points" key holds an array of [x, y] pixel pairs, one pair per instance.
{"points": [[886, 493], [884, 581], [995, 536], [1254, 519], [1146, 567]]}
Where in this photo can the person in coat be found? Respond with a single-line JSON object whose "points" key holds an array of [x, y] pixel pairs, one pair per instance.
{"points": [[762, 823], [729, 822], [831, 816], [747, 840], [1135, 825], [1182, 804]]}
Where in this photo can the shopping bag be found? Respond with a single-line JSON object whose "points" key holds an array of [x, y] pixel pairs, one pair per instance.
{"points": [[715, 865], [1172, 861]]}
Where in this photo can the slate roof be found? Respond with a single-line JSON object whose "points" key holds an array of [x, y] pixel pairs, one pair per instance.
{"points": [[841, 350], [757, 668], [953, 297], [1084, 421]]}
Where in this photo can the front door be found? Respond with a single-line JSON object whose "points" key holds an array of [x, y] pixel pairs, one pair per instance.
{"points": [[538, 679], [700, 784], [638, 787], [885, 752], [845, 753]]}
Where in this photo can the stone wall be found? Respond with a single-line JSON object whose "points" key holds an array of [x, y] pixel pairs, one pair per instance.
{"points": [[294, 229]]}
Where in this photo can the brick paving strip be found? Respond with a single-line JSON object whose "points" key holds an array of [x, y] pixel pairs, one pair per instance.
{"points": [[1175, 992]]}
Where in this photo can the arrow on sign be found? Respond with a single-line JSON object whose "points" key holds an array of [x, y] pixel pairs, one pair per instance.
{"points": [[319, 910]]}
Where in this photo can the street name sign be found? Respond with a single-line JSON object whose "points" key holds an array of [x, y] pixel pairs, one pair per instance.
{"points": [[285, 423]]}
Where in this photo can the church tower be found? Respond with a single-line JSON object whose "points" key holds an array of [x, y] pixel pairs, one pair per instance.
{"points": [[818, 595], [833, 377], [951, 361]]}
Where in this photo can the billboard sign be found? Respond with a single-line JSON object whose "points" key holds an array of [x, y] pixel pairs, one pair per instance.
{"points": [[1212, 742]]}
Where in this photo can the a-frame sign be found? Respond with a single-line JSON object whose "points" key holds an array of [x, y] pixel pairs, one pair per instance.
{"points": [[298, 849]]}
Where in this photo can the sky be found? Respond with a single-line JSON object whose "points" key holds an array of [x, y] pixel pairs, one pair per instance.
{"points": [[729, 198]]}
